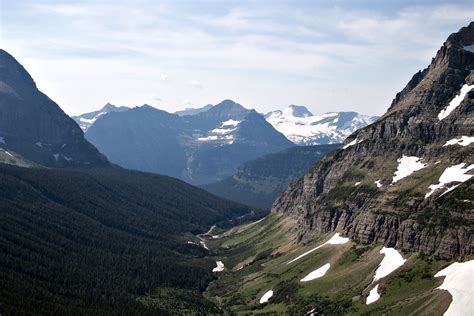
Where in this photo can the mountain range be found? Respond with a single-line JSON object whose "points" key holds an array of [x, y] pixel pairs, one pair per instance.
{"points": [[200, 148], [207, 144]]}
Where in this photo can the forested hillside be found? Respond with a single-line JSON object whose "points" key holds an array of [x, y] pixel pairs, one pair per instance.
{"points": [[91, 242], [259, 182]]}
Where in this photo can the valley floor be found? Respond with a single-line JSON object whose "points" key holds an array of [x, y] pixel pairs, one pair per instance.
{"points": [[266, 272]]}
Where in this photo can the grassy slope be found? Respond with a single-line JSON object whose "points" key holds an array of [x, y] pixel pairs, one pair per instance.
{"points": [[267, 246]]}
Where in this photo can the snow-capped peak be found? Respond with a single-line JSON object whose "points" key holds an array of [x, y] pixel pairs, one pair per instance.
{"points": [[300, 126]]}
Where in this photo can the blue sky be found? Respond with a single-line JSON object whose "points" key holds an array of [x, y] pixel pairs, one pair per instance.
{"points": [[327, 55]]}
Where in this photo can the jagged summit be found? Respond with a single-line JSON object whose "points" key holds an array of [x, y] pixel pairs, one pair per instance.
{"points": [[404, 180], [446, 71]]}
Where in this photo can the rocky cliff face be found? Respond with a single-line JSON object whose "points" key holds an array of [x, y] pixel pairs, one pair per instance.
{"points": [[405, 180], [33, 126]]}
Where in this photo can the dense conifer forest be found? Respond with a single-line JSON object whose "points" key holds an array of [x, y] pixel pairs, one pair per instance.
{"points": [[93, 241]]}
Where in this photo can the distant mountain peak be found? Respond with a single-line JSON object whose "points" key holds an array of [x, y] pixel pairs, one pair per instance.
{"points": [[229, 104], [300, 126], [109, 107], [297, 111], [87, 119]]}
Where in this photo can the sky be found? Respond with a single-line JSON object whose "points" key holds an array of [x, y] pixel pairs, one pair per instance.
{"points": [[328, 55]]}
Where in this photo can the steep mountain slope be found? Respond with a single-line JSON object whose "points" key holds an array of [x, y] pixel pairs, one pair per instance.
{"points": [[267, 273], [200, 148], [403, 181], [303, 128], [34, 127], [87, 119], [143, 138], [259, 182], [193, 111], [92, 241]]}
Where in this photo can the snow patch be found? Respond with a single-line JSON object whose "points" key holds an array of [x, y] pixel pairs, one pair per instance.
{"points": [[316, 274], [56, 156], [219, 268], [6, 152], [2, 140], [373, 295], [335, 240], [230, 123], [390, 262], [356, 184], [458, 281], [378, 184], [406, 166], [39, 144], [463, 141], [265, 297], [92, 120], [455, 102], [352, 143], [204, 245], [455, 173]]}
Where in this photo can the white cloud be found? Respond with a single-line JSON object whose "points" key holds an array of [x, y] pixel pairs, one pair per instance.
{"points": [[262, 55], [195, 84], [186, 102]]}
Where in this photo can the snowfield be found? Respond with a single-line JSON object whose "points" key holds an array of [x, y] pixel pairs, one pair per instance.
{"points": [[219, 268], [390, 262], [222, 134], [265, 297], [459, 280], [320, 272], [455, 102], [335, 240], [455, 173], [406, 166], [230, 123], [373, 295], [303, 128], [92, 120], [463, 141]]}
